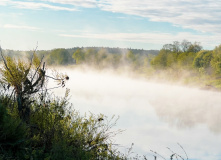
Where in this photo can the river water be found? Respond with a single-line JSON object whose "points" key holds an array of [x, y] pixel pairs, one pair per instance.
{"points": [[154, 115]]}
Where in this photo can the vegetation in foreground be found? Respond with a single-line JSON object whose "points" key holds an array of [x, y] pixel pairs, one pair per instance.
{"points": [[36, 125]]}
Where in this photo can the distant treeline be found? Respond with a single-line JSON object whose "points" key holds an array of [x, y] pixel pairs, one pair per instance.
{"points": [[189, 60], [172, 59], [97, 56]]}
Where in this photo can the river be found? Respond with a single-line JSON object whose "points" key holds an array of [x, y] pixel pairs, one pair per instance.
{"points": [[154, 115]]}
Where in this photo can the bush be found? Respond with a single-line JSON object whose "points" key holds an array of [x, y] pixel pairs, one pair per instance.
{"points": [[55, 131], [13, 134]]}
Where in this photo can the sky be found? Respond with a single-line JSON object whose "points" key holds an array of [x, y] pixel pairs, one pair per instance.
{"points": [[138, 24]]}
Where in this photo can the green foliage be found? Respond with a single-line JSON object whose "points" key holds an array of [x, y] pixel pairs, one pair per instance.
{"points": [[79, 56], [107, 57], [217, 50], [100, 57], [195, 47], [26, 79], [163, 59], [175, 47], [177, 54], [59, 57], [56, 132], [184, 46], [174, 58], [14, 72], [187, 62], [12, 134], [130, 57], [185, 59], [202, 60], [216, 60]]}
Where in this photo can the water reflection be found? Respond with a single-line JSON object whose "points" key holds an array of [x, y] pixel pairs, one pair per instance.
{"points": [[186, 107], [155, 116]]}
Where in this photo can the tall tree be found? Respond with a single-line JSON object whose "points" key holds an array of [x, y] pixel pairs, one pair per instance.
{"points": [[202, 60], [78, 56], [185, 45], [195, 47]]}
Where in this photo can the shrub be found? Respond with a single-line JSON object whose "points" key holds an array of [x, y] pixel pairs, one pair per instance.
{"points": [[12, 134]]}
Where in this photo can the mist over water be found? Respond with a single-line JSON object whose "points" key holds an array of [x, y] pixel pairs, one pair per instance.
{"points": [[153, 115]]}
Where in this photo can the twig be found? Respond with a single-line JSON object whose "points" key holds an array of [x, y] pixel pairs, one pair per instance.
{"points": [[54, 87], [37, 69], [57, 79], [183, 150], [158, 154], [175, 154], [33, 54], [145, 158], [5, 62]]}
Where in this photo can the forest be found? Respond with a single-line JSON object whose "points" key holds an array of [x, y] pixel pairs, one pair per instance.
{"points": [[184, 62]]}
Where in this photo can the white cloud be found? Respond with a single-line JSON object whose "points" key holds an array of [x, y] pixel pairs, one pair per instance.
{"points": [[201, 15], [3, 2], [151, 38], [11, 26], [82, 3], [35, 5]]}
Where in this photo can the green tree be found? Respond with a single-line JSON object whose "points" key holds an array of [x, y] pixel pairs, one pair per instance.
{"points": [[16, 75], [216, 60], [175, 47], [202, 59], [161, 60], [79, 56], [130, 56], [185, 59], [59, 57], [100, 57], [90, 55], [185, 45], [195, 47]]}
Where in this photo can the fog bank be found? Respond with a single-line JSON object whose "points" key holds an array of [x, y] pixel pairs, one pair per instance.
{"points": [[154, 115]]}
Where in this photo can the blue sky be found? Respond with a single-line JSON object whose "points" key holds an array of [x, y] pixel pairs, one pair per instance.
{"points": [[142, 24]]}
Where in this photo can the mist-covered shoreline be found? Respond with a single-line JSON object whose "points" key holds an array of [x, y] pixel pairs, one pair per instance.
{"points": [[180, 62]]}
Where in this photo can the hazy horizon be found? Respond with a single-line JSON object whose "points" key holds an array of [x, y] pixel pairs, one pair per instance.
{"points": [[34, 47]]}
